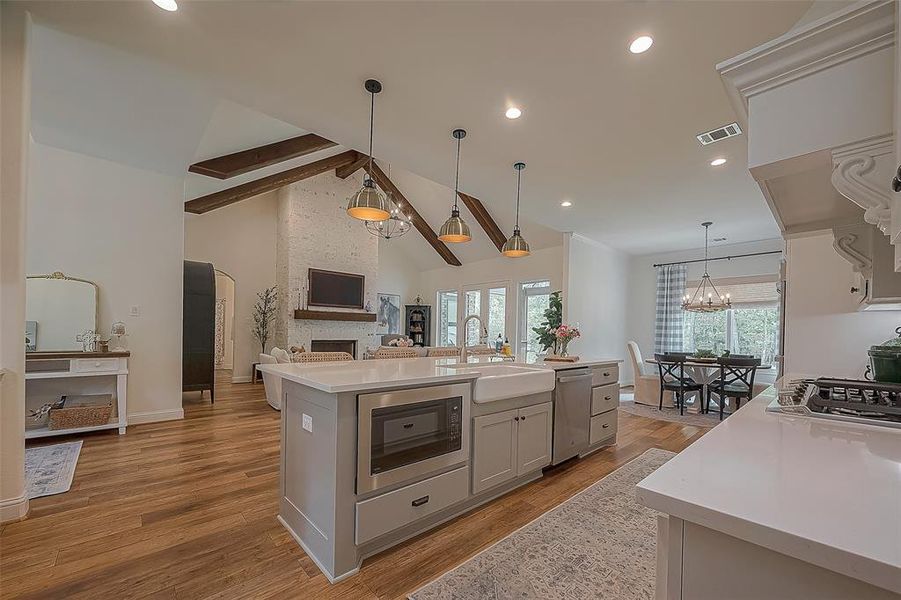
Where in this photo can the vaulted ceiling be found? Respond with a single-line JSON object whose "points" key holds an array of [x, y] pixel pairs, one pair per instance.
{"points": [[611, 131]]}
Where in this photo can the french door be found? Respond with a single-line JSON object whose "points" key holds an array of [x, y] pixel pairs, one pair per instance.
{"points": [[535, 297], [490, 301]]}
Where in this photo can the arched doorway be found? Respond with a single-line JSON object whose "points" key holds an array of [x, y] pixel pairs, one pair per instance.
{"points": [[224, 345]]}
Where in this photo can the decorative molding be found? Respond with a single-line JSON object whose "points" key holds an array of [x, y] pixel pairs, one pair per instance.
{"points": [[13, 509], [853, 164], [853, 32], [844, 242]]}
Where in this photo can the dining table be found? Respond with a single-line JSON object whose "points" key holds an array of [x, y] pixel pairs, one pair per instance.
{"points": [[704, 371]]}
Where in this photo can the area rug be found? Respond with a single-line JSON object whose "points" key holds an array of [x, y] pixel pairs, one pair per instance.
{"points": [[598, 544], [711, 419], [49, 469]]}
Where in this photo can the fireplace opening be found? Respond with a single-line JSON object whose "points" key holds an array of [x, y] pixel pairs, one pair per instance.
{"points": [[349, 346]]}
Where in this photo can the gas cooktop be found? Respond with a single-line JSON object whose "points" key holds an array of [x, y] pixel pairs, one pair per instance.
{"points": [[855, 400]]}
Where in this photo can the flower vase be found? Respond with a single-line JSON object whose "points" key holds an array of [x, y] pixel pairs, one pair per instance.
{"points": [[563, 345]]}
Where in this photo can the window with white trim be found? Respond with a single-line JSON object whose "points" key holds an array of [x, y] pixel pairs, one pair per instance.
{"points": [[751, 326]]}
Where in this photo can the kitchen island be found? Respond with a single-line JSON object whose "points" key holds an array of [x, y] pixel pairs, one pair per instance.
{"points": [[375, 452], [771, 505]]}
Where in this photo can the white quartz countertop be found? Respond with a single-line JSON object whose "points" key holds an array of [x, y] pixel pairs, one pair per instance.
{"points": [[360, 375], [823, 491]]}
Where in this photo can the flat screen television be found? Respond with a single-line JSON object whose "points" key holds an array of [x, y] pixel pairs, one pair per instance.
{"points": [[336, 290]]}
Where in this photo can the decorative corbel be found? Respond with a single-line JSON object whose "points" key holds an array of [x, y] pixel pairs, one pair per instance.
{"points": [[854, 176]]}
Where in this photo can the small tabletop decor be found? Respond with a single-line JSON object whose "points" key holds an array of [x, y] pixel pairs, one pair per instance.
{"points": [[564, 335]]}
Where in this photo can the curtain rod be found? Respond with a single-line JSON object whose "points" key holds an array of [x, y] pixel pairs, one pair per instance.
{"points": [[687, 262]]}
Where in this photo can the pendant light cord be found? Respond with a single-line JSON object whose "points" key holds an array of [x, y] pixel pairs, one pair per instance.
{"points": [[457, 176], [706, 232], [518, 181], [371, 128]]}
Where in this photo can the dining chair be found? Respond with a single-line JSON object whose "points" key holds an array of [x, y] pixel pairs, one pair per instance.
{"points": [[671, 366], [395, 353], [317, 357], [442, 351], [736, 380], [646, 384]]}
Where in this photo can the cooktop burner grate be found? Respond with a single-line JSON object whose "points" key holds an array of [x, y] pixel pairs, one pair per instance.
{"points": [[865, 399]]}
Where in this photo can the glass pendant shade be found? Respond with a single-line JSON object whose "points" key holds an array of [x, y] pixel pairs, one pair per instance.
{"points": [[368, 204], [455, 230], [515, 246]]}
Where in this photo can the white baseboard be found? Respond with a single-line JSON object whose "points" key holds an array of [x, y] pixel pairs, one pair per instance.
{"points": [[13, 509], [156, 416], [241, 379]]}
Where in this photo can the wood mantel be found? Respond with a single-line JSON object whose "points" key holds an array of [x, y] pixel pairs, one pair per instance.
{"points": [[333, 315]]}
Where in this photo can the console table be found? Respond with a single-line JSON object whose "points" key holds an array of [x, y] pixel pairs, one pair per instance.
{"points": [[49, 375]]}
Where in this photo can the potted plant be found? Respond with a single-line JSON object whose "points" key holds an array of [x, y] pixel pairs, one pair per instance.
{"points": [[264, 314], [553, 318]]}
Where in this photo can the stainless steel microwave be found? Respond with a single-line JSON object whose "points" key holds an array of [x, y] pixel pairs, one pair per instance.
{"points": [[410, 433]]}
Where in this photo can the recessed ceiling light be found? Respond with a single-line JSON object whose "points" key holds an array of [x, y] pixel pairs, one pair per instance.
{"points": [[170, 5], [716, 162], [513, 113], [566, 204], [641, 44]]}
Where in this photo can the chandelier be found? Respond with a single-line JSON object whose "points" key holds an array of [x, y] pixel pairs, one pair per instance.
{"points": [[706, 298], [395, 225]]}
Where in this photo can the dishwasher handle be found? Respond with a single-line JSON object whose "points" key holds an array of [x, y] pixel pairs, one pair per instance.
{"points": [[574, 378]]}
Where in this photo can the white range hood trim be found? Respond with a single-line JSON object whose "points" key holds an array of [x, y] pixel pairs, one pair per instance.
{"points": [[854, 173], [855, 31]]}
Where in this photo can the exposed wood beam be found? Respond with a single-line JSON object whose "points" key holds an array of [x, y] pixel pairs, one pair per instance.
{"points": [[418, 222], [481, 214], [237, 163], [267, 184], [345, 172]]}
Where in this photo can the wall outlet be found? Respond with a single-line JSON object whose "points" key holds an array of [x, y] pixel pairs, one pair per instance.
{"points": [[135, 311], [308, 423]]}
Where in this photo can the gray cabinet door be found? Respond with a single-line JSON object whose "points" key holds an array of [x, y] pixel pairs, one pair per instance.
{"points": [[494, 449], [534, 438]]}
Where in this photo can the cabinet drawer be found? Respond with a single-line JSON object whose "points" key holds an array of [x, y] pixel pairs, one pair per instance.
{"points": [[90, 365], [390, 511], [604, 398], [604, 374], [602, 426]]}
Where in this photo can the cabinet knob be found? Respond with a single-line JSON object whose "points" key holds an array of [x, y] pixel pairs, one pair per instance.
{"points": [[606, 374], [607, 397], [854, 289], [522, 418], [516, 418], [605, 425]]}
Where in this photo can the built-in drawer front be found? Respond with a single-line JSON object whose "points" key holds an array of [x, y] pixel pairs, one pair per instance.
{"points": [[379, 515], [604, 398], [602, 426], [604, 374], [90, 365]]}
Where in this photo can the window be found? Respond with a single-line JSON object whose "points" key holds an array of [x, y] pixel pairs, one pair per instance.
{"points": [[447, 318], [473, 307], [534, 300], [497, 314], [751, 326]]}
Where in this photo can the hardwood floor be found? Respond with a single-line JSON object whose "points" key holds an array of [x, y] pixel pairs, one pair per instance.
{"points": [[186, 509]]}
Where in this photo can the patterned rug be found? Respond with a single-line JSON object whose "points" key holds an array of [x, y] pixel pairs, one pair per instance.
{"points": [[711, 419], [49, 469], [598, 544]]}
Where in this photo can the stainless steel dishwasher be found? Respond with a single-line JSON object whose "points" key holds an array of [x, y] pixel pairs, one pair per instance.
{"points": [[572, 413]]}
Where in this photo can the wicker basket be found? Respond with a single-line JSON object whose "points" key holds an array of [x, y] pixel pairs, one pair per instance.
{"points": [[81, 411]]}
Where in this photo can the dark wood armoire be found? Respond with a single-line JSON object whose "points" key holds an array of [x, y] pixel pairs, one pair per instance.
{"points": [[199, 328]]}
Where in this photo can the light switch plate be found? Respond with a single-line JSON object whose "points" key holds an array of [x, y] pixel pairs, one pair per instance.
{"points": [[308, 423]]}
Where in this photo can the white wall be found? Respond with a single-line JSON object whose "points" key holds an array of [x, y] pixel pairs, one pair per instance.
{"points": [[122, 228], [546, 263], [596, 297], [239, 240], [825, 333], [397, 271], [14, 116], [643, 282]]}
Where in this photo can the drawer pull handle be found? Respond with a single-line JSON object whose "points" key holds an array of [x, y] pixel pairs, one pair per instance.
{"points": [[607, 397], [606, 374], [605, 425], [420, 501], [408, 425]]}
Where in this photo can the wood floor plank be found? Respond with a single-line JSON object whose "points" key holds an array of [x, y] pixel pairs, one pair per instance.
{"points": [[186, 510]]}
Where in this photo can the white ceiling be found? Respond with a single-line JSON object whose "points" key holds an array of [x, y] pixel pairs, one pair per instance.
{"points": [[612, 131]]}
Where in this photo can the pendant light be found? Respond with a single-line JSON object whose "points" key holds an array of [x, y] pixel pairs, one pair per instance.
{"points": [[516, 246], [706, 298], [369, 204], [455, 230]]}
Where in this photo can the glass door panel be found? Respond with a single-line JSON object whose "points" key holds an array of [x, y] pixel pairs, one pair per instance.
{"points": [[447, 318], [535, 299], [497, 314], [473, 304]]}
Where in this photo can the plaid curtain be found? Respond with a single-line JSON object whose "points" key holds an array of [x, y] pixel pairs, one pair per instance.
{"points": [[668, 325]]}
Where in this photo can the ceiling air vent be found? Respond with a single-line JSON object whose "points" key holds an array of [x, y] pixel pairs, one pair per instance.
{"points": [[720, 133]]}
